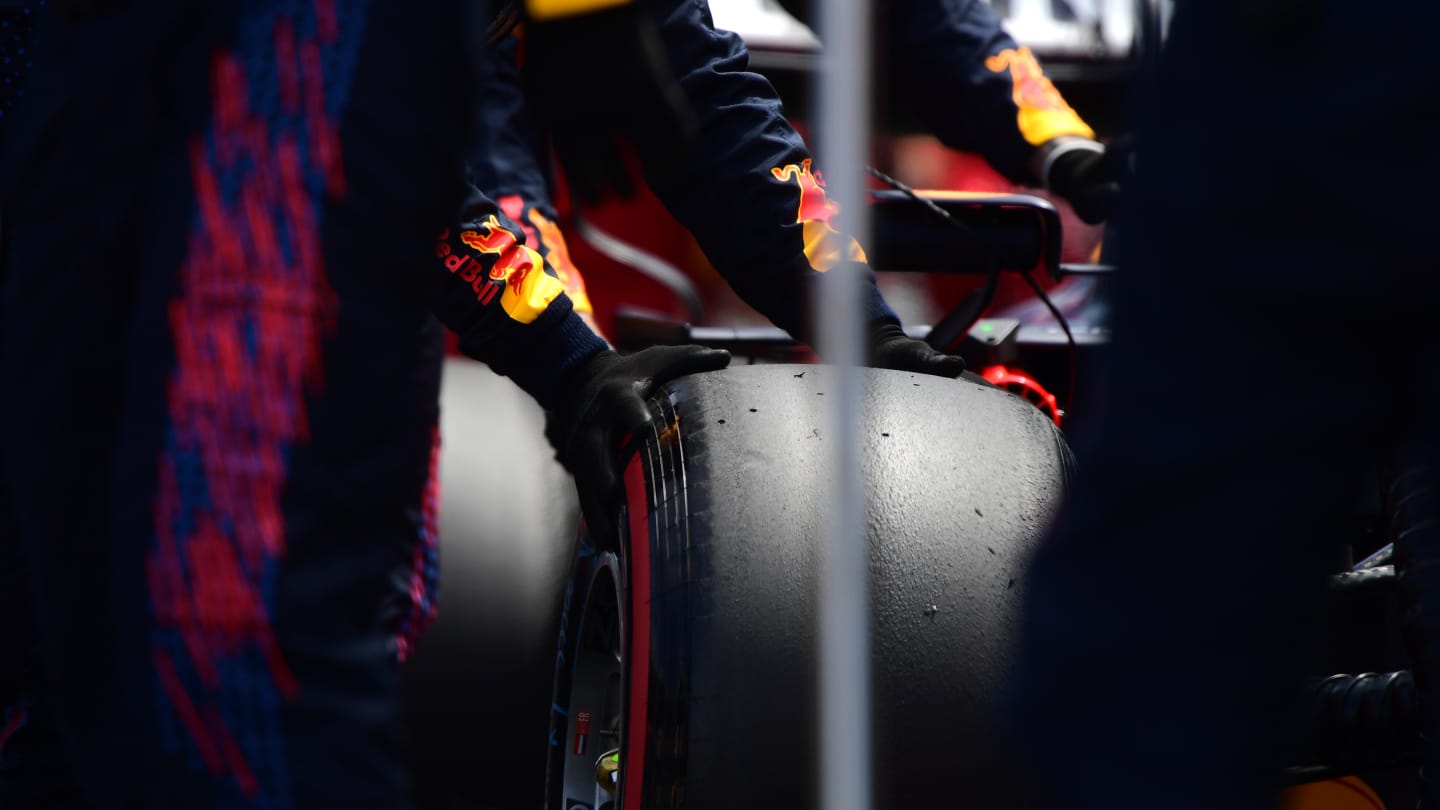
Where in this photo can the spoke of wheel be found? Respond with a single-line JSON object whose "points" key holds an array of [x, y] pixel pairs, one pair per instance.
{"points": [[844, 603]]}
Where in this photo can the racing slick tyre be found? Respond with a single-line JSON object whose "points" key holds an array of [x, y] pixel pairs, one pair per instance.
{"points": [[686, 661], [477, 690]]}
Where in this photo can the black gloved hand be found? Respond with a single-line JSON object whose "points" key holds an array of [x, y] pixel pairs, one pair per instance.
{"points": [[891, 348], [1089, 179], [598, 77], [602, 401]]}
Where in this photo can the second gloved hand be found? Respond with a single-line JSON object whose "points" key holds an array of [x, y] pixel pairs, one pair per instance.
{"points": [[603, 401], [1088, 178], [891, 348]]}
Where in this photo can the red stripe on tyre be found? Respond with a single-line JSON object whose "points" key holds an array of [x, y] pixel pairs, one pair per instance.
{"points": [[639, 646]]}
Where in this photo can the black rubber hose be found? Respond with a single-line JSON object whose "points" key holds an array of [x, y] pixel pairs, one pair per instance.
{"points": [[1410, 502], [1353, 722]]}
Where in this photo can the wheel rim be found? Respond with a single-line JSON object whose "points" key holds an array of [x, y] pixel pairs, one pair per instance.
{"points": [[596, 700]]}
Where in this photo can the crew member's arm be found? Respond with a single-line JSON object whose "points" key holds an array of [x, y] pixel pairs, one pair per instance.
{"points": [[508, 308], [975, 88], [508, 161], [511, 313], [747, 187], [978, 90], [954, 65]]}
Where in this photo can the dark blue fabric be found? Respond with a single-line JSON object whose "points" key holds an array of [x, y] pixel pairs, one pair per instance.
{"points": [[17, 51], [108, 228], [510, 154], [1272, 333], [725, 194], [933, 55]]}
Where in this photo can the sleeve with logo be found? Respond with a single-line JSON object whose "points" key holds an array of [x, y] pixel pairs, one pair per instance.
{"points": [[506, 305], [508, 159], [975, 88], [748, 189]]}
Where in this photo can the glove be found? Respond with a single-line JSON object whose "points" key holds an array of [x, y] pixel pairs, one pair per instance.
{"points": [[1089, 179], [602, 401], [602, 76], [891, 348]]}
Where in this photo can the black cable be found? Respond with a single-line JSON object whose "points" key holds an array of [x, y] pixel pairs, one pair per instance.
{"points": [[911, 193], [1072, 350], [981, 300], [992, 279]]}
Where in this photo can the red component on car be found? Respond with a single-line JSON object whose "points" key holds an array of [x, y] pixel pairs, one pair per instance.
{"points": [[1024, 386]]}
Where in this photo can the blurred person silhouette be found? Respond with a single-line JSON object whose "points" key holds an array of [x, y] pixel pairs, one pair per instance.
{"points": [[218, 382], [1281, 208]]}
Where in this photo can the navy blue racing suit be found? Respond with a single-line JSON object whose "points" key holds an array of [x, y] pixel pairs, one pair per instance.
{"points": [[17, 50], [219, 370], [509, 160]]}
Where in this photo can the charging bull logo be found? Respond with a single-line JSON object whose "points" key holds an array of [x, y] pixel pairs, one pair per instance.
{"points": [[545, 234], [558, 254], [527, 289], [824, 246], [1043, 113]]}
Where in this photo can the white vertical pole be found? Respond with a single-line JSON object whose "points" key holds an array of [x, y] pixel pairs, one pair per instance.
{"points": [[844, 600]]}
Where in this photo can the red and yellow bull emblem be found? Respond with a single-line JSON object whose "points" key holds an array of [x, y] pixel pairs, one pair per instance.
{"points": [[1043, 113], [527, 289], [545, 233], [824, 247]]}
